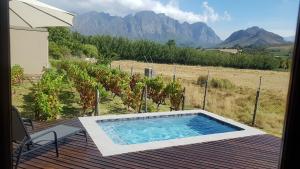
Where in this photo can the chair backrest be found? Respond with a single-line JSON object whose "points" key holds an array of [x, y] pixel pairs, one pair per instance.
{"points": [[19, 131]]}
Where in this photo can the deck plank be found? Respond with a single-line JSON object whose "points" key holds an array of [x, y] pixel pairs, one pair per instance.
{"points": [[248, 152]]}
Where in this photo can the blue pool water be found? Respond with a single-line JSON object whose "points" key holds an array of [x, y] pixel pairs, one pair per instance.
{"points": [[134, 131]]}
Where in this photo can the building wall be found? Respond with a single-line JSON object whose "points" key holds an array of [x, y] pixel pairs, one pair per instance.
{"points": [[29, 49]]}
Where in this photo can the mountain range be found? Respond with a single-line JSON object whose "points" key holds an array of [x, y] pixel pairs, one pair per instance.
{"points": [[161, 28], [252, 37], [147, 25]]}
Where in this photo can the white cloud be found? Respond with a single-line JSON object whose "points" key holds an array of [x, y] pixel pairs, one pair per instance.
{"points": [[226, 16], [125, 7]]}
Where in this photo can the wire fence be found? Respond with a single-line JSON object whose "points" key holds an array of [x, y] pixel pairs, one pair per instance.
{"points": [[260, 107], [255, 100]]}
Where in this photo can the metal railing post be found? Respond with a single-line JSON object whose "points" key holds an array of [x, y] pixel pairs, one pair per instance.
{"points": [[174, 73], [142, 98], [205, 91], [97, 102], [256, 102], [183, 99], [146, 99]]}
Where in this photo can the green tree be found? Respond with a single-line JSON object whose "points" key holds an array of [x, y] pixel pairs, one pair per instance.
{"points": [[58, 51], [90, 51], [61, 36], [171, 43], [113, 48]]}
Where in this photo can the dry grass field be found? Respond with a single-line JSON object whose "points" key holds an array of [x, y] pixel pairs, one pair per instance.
{"points": [[237, 102]]}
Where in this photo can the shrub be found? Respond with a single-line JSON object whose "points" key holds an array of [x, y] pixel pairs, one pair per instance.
{"points": [[108, 58], [17, 75], [46, 103], [116, 84], [85, 86], [58, 51], [84, 77], [156, 90], [201, 80], [175, 93], [221, 83], [101, 73], [90, 50], [87, 76], [151, 107], [119, 83], [132, 94]]}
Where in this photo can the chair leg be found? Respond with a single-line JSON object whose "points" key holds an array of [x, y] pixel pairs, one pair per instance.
{"points": [[31, 125], [28, 147], [85, 135], [56, 148], [56, 144], [19, 156]]}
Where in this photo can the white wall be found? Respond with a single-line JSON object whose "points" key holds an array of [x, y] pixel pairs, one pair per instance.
{"points": [[29, 48]]}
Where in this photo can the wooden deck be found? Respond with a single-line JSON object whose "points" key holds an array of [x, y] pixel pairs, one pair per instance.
{"points": [[260, 152]]}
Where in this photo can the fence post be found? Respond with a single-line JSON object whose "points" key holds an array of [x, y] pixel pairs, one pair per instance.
{"points": [[142, 98], [174, 73], [131, 71], [146, 99], [205, 91], [119, 67], [256, 102], [183, 99], [97, 102]]}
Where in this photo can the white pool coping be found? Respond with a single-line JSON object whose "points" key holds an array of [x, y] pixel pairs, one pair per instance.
{"points": [[108, 148]]}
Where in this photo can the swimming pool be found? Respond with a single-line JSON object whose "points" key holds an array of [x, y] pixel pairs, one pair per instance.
{"points": [[142, 130], [118, 134]]}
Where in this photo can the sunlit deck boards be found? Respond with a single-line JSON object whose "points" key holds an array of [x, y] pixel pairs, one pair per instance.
{"points": [[249, 152]]}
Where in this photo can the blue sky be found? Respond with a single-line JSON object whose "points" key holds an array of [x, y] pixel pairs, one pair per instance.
{"points": [[224, 16], [278, 16]]}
